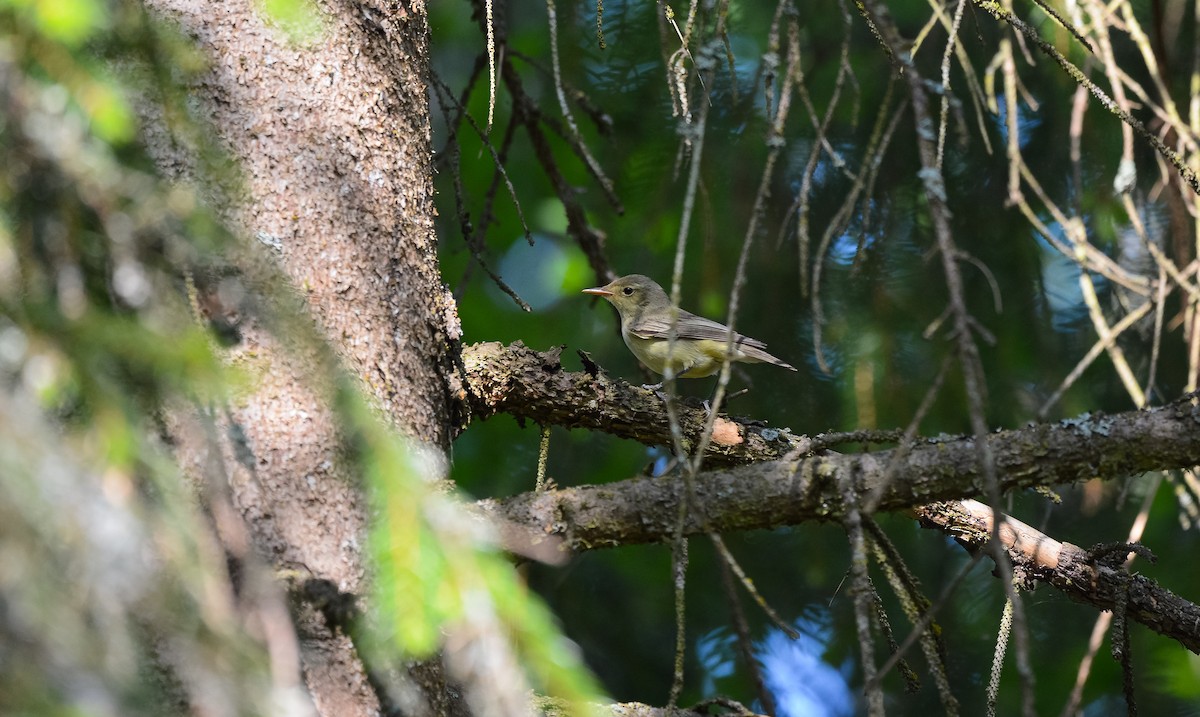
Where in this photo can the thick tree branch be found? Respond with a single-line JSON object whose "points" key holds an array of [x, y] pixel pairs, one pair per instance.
{"points": [[532, 385], [775, 493], [1080, 575], [786, 492]]}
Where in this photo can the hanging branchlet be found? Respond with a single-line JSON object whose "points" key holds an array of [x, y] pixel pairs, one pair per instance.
{"points": [[1121, 650], [864, 595], [731, 564], [916, 607], [543, 454], [742, 628], [1002, 636], [912, 682], [600, 25], [679, 564], [577, 141], [491, 52]]}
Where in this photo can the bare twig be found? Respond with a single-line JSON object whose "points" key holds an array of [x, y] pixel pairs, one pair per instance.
{"points": [[1105, 619], [968, 352], [1186, 172], [730, 563], [740, 626]]}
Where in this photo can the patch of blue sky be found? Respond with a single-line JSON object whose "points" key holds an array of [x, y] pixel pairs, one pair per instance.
{"points": [[801, 682], [535, 272], [716, 652], [845, 248], [1060, 288], [824, 170], [798, 153], [1027, 120], [661, 460]]}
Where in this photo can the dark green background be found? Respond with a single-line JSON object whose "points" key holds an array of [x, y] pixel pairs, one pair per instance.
{"points": [[877, 300]]}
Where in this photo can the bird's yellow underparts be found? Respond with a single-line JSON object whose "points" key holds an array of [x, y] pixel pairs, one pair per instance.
{"points": [[700, 344]]}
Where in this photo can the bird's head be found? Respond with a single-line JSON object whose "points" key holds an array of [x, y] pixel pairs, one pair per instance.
{"points": [[632, 294]]}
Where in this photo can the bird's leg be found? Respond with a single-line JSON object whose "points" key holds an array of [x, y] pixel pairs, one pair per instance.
{"points": [[668, 374], [707, 403]]}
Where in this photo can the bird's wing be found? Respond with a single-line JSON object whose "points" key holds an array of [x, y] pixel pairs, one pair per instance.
{"points": [[690, 326]]}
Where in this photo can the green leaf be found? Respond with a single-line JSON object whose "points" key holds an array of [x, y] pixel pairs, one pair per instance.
{"points": [[432, 559], [299, 19], [71, 22]]}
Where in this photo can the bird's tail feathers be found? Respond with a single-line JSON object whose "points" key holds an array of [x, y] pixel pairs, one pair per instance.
{"points": [[757, 354]]}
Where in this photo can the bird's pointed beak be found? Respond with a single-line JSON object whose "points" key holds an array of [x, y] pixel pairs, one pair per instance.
{"points": [[599, 291]]}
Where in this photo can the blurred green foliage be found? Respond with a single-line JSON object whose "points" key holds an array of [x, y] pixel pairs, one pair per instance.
{"points": [[106, 559], [438, 573], [116, 598], [70, 22]]}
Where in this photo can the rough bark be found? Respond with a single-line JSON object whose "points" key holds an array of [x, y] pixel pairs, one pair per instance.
{"points": [[333, 143], [769, 494], [1081, 575], [534, 385]]}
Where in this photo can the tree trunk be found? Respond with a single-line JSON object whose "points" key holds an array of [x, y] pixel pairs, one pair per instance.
{"points": [[333, 142]]}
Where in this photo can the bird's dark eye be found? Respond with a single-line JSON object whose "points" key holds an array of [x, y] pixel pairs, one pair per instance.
{"points": [[628, 291]]}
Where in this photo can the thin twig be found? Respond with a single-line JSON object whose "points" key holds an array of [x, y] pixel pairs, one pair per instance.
{"points": [[906, 441], [1105, 618], [968, 352], [464, 219], [921, 627], [592, 165], [950, 43], [543, 455], [1186, 172], [732, 564], [740, 626], [1097, 348], [862, 592]]}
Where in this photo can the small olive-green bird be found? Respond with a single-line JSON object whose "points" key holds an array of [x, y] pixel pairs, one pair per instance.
{"points": [[700, 343]]}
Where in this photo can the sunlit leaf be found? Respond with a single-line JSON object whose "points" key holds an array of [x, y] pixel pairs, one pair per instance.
{"points": [[432, 561], [112, 118], [300, 19], [69, 21]]}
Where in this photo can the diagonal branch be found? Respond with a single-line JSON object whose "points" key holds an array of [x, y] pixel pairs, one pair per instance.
{"points": [[776, 493], [1072, 570]]}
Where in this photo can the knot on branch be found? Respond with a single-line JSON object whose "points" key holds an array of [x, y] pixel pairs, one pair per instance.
{"points": [[495, 371], [1112, 555]]}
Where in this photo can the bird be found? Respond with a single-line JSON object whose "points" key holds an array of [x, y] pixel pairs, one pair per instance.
{"points": [[700, 343]]}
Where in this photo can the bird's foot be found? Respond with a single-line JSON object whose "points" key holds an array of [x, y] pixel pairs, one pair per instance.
{"points": [[652, 386]]}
